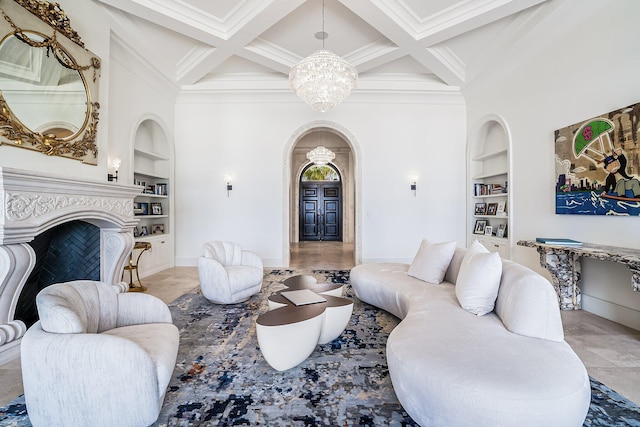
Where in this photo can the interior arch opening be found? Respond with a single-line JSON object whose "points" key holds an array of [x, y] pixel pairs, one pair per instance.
{"points": [[322, 203]]}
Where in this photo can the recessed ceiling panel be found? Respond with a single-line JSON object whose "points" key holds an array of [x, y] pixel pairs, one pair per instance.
{"points": [[476, 43], [218, 8], [404, 65], [347, 32], [167, 46], [422, 9], [238, 65]]}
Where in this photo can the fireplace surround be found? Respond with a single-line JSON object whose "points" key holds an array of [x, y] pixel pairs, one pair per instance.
{"points": [[34, 202]]}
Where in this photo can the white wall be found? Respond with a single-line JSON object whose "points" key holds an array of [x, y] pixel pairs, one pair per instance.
{"points": [[578, 62], [249, 138], [137, 93]]}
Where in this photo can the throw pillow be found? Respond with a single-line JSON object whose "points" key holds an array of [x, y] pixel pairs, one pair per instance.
{"points": [[478, 282], [432, 260]]}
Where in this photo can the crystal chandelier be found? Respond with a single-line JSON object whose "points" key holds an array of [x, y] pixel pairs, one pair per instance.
{"points": [[323, 80], [320, 155]]}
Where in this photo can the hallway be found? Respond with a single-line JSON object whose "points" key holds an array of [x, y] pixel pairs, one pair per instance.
{"points": [[322, 255]]}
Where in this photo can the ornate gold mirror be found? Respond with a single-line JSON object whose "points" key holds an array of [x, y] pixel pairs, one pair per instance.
{"points": [[48, 82]]}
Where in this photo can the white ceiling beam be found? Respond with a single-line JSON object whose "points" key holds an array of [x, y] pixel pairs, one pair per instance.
{"points": [[453, 21], [269, 55], [177, 22], [471, 18], [374, 55], [399, 35], [250, 30]]}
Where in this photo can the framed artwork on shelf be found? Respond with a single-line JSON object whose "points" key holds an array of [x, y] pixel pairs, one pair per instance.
{"points": [[501, 207], [157, 229], [480, 226], [481, 209], [502, 230], [144, 231], [156, 209], [488, 230], [492, 208], [144, 208]]}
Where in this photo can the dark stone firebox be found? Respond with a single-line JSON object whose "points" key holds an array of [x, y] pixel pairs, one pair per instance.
{"points": [[70, 251]]}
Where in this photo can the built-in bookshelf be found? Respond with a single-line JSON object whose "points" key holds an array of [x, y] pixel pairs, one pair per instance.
{"points": [[489, 216], [152, 172]]}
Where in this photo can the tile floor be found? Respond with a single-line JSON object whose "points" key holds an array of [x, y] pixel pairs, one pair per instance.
{"points": [[610, 351]]}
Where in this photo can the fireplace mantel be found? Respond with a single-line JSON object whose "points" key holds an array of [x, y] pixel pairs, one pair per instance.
{"points": [[33, 202]]}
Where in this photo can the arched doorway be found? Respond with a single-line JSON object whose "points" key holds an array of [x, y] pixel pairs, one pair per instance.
{"points": [[320, 201], [347, 163]]}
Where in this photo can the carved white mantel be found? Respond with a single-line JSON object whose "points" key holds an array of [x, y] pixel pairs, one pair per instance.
{"points": [[33, 202]]}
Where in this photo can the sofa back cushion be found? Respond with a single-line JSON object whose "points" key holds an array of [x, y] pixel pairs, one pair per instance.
{"points": [[432, 260], [478, 281], [80, 306], [527, 304]]}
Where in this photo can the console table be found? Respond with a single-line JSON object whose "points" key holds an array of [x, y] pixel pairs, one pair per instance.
{"points": [[563, 263], [134, 267]]}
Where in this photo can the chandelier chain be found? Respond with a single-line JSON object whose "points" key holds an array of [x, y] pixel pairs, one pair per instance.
{"points": [[324, 34]]}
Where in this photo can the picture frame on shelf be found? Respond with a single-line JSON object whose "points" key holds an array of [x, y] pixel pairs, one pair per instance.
{"points": [[480, 226], [144, 208], [481, 209], [156, 208], [492, 208], [157, 229], [144, 231], [136, 231], [501, 207], [488, 230], [501, 231]]}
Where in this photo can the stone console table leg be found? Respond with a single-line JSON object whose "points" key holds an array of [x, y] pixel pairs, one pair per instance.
{"points": [[635, 278], [564, 268]]}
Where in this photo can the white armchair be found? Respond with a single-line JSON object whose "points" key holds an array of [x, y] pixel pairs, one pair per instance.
{"points": [[97, 357], [228, 274]]}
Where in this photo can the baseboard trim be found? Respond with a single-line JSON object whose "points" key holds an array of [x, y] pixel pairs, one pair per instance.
{"points": [[614, 312], [193, 262]]}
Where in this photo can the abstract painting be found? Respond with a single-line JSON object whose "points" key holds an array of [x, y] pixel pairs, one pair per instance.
{"points": [[598, 165]]}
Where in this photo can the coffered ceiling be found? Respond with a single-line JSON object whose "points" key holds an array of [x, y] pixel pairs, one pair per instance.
{"points": [[446, 41]]}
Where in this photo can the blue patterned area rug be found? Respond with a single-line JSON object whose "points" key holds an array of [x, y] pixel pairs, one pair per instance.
{"points": [[221, 378]]}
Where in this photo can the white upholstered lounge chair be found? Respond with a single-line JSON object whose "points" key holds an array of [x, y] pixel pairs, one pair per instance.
{"points": [[228, 274], [97, 357]]}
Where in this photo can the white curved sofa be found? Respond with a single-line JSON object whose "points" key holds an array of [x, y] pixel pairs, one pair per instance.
{"points": [[449, 367]]}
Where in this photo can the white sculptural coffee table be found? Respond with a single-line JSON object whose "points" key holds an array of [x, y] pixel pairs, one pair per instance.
{"points": [[288, 333]]}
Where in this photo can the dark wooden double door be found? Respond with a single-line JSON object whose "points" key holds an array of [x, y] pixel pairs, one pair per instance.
{"points": [[320, 211]]}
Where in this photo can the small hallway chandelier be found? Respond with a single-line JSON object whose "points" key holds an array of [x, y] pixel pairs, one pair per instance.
{"points": [[323, 80]]}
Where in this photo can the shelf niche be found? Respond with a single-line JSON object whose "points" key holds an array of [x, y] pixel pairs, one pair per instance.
{"points": [[489, 173], [152, 157]]}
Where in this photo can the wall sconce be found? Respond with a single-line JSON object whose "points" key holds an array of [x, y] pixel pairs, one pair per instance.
{"points": [[116, 165], [414, 184], [229, 186]]}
